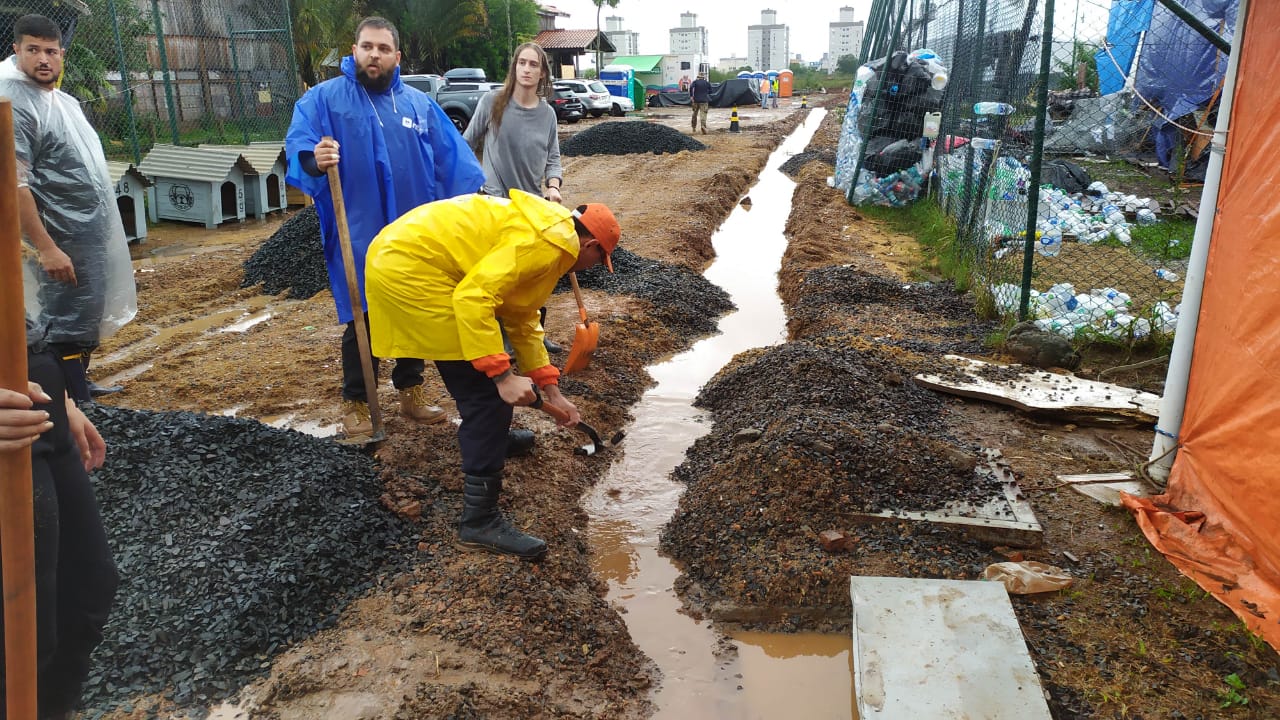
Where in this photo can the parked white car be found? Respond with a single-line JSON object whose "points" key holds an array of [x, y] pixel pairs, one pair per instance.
{"points": [[594, 95]]}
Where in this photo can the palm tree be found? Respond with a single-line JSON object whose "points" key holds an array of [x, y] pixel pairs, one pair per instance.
{"points": [[600, 6], [429, 27], [320, 27]]}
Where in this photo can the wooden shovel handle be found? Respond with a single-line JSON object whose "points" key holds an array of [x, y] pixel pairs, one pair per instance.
{"points": [[357, 303], [577, 295], [16, 521]]}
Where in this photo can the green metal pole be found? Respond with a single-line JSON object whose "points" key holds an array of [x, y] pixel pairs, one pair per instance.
{"points": [[875, 106], [237, 100], [1037, 155], [968, 212], [1196, 24], [295, 81], [164, 68], [125, 89]]}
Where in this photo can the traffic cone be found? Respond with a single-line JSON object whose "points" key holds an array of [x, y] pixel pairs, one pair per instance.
{"points": [[733, 121]]}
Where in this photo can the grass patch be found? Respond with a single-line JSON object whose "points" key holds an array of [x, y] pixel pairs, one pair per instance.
{"points": [[1168, 240], [935, 231]]}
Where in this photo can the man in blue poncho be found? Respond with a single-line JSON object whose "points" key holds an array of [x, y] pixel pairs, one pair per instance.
{"points": [[398, 151]]}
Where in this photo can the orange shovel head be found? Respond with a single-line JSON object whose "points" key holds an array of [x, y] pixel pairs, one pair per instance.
{"points": [[585, 336]]}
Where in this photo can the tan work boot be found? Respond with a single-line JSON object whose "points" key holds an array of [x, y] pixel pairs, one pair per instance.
{"points": [[415, 406], [357, 424]]}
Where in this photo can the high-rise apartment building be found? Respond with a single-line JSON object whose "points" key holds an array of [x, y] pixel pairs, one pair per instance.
{"points": [[769, 43], [845, 38]]}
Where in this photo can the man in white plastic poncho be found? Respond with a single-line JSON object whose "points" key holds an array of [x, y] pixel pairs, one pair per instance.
{"points": [[79, 284]]}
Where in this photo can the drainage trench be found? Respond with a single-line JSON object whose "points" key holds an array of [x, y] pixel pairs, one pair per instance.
{"points": [[768, 675]]}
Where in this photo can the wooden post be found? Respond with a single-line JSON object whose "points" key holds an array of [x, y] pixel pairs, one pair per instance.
{"points": [[17, 531]]}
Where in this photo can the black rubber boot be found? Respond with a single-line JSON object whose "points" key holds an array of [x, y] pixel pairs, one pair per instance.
{"points": [[482, 526], [519, 442], [552, 347]]}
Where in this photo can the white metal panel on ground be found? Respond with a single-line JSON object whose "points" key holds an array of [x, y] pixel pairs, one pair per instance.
{"points": [[940, 650], [1035, 390]]}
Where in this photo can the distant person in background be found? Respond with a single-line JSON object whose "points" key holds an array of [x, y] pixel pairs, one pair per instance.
{"points": [[514, 132], [775, 88], [700, 96], [399, 151], [82, 286], [764, 93]]}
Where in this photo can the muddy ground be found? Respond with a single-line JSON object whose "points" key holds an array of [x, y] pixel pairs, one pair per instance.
{"points": [[460, 635]]}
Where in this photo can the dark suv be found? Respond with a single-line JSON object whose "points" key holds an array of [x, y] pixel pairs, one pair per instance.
{"points": [[567, 105]]}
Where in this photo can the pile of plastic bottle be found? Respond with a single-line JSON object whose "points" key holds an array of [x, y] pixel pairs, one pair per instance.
{"points": [[898, 188], [1100, 313]]}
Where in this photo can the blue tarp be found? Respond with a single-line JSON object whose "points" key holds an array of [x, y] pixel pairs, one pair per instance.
{"points": [[1179, 71], [1129, 18]]}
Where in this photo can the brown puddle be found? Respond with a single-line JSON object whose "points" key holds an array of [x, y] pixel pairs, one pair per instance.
{"points": [[766, 675]]}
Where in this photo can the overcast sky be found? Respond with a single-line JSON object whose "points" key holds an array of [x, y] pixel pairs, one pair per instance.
{"points": [[726, 22]]}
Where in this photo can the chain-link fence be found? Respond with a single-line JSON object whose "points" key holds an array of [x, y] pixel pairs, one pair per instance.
{"points": [[1098, 119], [176, 71]]}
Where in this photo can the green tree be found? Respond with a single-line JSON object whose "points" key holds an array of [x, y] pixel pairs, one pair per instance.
{"points": [[429, 27], [1081, 52], [600, 6], [319, 28], [847, 64], [511, 22]]}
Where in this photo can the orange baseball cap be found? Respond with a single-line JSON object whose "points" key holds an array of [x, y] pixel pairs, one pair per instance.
{"points": [[603, 226]]}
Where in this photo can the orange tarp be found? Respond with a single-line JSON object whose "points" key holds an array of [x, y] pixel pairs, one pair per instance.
{"points": [[1219, 521]]}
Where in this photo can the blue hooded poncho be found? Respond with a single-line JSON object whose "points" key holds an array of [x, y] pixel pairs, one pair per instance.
{"points": [[398, 151]]}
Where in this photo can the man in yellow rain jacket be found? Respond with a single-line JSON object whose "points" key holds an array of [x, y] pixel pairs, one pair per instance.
{"points": [[438, 279]]}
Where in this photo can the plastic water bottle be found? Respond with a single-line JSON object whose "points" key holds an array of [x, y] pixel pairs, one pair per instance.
{"points": [[992, 108], [1146, 217], [1050, 242], [1167, 275], [983, 143]]}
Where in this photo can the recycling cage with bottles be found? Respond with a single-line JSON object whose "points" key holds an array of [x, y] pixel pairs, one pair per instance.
{"points": [[1103, 130]]}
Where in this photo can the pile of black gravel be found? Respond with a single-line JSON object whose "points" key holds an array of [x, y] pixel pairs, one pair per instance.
{"points": [[682, 299], [292, 259], [793, 164], [625, 138], [233, 539]]}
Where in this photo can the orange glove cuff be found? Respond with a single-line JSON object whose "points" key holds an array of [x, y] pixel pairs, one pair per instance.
{"points": [[545, 375], [492, 365]]}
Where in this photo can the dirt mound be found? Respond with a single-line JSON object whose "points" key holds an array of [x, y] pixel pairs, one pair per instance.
{"points": [[624, 138], [233, 539], [291, 259]]}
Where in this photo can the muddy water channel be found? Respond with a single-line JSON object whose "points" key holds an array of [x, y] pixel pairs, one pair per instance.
{"points": [[705, 674]]}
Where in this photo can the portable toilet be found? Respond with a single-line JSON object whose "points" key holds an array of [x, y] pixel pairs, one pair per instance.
{"points": [[786, 79], [131, 187], [264, 187], [193, 184], [618, 78]]}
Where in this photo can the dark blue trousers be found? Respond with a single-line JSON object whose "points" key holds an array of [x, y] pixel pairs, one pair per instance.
{"points": [[486, 418]]}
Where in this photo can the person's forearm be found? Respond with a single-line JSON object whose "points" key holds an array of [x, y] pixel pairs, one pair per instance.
{"points": [[32, 227]]}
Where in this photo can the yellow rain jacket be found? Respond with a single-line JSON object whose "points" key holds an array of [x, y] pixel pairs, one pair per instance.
{"points": [[439, 277]]}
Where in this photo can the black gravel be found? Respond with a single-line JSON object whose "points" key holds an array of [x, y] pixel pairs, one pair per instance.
{"points": [[682, 299], [292, 259], [625, 138], [233, 539], [795, 162]]}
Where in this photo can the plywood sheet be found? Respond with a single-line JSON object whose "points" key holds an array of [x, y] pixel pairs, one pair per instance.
{"points": [[940, 649]]}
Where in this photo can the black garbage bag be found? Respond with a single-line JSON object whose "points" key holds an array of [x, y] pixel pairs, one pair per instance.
{"points": [[889, 154]]}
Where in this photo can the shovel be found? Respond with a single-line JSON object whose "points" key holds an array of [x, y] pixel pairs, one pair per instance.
{"points": [[585, 334], [596, 445], [357, 312]]}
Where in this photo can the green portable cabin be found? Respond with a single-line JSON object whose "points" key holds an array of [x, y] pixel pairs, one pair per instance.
{"points": [[647, 71]]}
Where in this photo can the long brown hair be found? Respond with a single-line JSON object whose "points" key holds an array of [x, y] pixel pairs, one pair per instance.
{"points": [[509, 85]]}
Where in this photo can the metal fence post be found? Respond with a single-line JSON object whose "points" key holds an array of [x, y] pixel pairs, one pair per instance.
{"points": [[1037, 155], [875, 106], [164, 68], [126, 89], [237, 98]]}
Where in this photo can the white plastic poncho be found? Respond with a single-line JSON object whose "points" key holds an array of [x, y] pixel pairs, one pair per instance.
{"points": [[60, 160]]}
